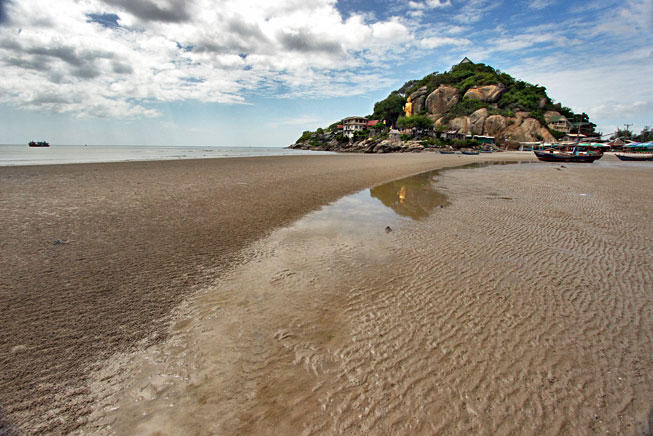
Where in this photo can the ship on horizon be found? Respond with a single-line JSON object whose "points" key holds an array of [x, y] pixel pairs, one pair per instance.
{"points": [[38, 144]]}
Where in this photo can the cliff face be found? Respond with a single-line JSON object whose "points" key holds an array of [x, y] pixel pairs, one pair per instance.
{"points": [[519, 128]]}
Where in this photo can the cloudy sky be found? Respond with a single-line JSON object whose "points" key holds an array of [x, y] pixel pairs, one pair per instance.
{"points": [[258, 72]]}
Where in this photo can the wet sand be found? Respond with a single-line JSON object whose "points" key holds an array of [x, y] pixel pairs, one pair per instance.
{"points": [[523, 306], [96, 256]]}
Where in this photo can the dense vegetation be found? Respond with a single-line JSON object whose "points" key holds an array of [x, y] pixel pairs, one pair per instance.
{"points": [[520, 96]]}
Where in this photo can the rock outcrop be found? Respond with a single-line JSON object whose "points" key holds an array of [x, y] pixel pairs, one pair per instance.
{"points": [[461, 124], [441, 101], [494, 125], [365, 146], [487, 94], [418, 98], [477, 121], [527, 130]]}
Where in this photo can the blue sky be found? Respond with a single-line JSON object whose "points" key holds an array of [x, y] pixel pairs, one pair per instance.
{"points": [[259, 72]]}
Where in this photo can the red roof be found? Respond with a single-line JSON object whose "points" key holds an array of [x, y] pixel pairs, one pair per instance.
{"points": [[340, 126], [371, 123]]}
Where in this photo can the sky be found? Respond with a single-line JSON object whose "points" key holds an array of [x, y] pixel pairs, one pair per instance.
{"points": [[259, 72]]}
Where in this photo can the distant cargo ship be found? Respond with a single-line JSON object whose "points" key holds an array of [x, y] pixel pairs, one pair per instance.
{"points": [[38, 144]]}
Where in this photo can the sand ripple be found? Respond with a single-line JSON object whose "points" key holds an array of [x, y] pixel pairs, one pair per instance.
{"points": [[524, 307]]}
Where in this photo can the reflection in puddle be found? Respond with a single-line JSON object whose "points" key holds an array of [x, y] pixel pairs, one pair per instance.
{"points": [[415, 197]]}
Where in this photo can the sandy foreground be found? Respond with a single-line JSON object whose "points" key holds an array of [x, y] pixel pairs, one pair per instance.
{"points": [[95, 256], [197, 297]]}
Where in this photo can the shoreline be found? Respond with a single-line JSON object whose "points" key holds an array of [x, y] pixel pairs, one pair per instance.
{"points": [[19, 155], [102, 253]]}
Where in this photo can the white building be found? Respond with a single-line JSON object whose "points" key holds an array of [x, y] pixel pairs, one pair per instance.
{"points": [[353, 124]]}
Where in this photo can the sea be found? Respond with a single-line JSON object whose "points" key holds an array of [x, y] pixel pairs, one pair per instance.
{"points": [[13, 155]]}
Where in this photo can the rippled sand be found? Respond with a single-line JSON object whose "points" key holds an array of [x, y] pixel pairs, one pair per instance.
{"points": [[96, 256], [522, 307]]}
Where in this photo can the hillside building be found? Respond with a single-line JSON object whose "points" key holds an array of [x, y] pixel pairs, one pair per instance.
{"points": [[353, 124], [559, 123]]}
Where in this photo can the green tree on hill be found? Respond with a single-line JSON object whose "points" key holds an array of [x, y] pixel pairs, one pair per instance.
{"points": [[421, 122], [389, 109]]}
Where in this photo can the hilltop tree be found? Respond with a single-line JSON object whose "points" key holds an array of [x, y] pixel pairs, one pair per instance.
{"points": [[623, 134], [646, 135], [389, 109]]}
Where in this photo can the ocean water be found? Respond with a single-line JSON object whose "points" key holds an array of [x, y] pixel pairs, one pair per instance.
{"points": [[11, 155]]}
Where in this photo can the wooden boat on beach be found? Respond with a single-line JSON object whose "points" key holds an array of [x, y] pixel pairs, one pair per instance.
{"points": [[637, 152], [634, 156], [38, 144], [447, 152], [470, 152], [576, 154]]}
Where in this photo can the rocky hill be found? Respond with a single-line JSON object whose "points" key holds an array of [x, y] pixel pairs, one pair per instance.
{"points": [[470, 99]]}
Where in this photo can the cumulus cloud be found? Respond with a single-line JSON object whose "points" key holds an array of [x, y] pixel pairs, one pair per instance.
{"points": [[173, 11], [119, 57]]}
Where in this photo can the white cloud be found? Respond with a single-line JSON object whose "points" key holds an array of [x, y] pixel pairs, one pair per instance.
{"points": [[438, 3], [474, 10], [540, 4], [114, 57], [438, 41], [429, 4]]}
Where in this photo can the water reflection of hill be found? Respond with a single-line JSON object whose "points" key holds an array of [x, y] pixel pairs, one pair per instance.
{"points": [[412, 197]]}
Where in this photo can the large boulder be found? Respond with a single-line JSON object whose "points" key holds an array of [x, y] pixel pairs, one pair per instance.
{"points": [[385, 146], [494, 124], [529, 130], [441, 100], [461, 124], [418, 97], [477, 121], [488, 93]]}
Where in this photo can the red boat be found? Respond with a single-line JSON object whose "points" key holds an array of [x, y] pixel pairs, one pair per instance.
{"points": [[38, 144]]}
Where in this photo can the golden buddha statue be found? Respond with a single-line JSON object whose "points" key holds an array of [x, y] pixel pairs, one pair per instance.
{"points": [[408, 108]]}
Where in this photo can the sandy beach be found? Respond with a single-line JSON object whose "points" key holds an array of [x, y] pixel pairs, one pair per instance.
{"points": [[95, 256], [216, 297]]}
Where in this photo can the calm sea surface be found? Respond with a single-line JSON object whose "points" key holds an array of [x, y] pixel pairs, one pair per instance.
{"points": [[60, 154]]}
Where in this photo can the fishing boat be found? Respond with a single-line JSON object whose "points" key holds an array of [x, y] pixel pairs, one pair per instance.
{"points": [[634, 156], [489, 150], [637, 152], [577, 154], [470, 152], [38, 144], [447, 152]]}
